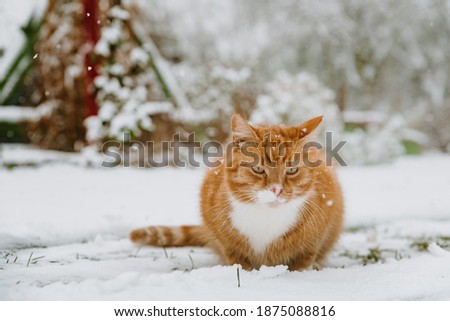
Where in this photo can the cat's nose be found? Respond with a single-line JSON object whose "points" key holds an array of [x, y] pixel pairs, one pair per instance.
{"points": [[276, 189]]}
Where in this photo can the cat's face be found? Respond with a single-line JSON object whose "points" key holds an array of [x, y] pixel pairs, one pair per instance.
{"points": [[268, 165]]}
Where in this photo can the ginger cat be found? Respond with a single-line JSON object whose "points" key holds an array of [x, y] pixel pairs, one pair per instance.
{"points": [[277, 210]]}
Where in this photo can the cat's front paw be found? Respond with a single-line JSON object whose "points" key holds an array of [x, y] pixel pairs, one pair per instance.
{"points": [[244, 263], [302, 263]]}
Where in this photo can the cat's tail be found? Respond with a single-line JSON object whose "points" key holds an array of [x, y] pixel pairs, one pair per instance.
{"points": [[186, 235]]}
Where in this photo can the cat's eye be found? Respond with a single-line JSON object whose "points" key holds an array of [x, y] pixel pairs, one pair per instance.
{"points": [[258, 170], [291, 170]]}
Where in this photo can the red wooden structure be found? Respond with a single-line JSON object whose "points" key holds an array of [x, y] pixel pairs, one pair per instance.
{"points": [[91, 65]]}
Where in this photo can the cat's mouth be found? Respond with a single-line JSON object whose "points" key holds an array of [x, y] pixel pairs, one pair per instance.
{"points": [[269, 198]]}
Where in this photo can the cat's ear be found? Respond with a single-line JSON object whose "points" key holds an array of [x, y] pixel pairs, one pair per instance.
{"points": [[309, 126], [241, 129]]}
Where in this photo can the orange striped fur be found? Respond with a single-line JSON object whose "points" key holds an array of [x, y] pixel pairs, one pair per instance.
{"points": [[265, 215], [185, 235]]}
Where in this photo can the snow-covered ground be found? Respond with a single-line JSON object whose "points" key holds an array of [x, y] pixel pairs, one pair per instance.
{"points": [[64, 227]]}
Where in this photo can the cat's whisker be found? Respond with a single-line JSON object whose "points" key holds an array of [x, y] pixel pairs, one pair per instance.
{"points": [[318, 211], [226, 201], [318, 208], [312, 217]]}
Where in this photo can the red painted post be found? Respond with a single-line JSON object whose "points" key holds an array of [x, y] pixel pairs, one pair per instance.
{"points": [[92, 33]]}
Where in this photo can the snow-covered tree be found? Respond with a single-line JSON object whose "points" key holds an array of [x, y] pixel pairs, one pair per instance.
{"points": [[127, 92], [60, 78]]}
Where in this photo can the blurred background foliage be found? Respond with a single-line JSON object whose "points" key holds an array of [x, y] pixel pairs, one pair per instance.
{"points": [[378, 70]]}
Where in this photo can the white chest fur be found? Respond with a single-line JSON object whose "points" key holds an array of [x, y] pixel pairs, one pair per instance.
{"points": [[263, 224]]}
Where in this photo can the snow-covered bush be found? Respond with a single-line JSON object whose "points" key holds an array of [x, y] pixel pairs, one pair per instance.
{"points": [[435, 124], [378, 143], [293, 99], [210, 90], [127, 92]]}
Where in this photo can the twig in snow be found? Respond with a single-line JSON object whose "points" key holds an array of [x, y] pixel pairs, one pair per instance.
{"points": [[137, 251], [192, 261], [238, 278], [36, 259], [165, 252], [29, 259]]}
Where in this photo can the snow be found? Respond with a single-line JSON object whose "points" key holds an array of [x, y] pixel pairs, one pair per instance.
{"points": [[117, 70], [294, 99], [139, 56], [128, 96], [406, 189], [107, 110], [182, 102], [67, 224], [123, 122], [119, 13], [112, 34], [152, 108], [363, 116], [17, 114]]}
